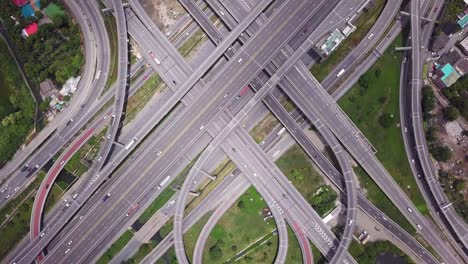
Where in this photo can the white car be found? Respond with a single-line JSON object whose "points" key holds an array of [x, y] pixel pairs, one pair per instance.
{"points": [[99, 159], [419, 226], [69, 242], [66, 251], [409, 210]]}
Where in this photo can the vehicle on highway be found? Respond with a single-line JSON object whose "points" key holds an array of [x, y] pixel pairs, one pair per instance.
{"points": [[130, 144], [203, 126], [98, 74], [6, 197], [340, 73], [106, 197], [281, 131], [66, 251], [145, 77], [25, 167], [158, 152], [409, 210], [99, 159], [69, 242], [69, 122], [240, 60], [154, 57], [419, 226], [166, 180], [221, 12], [32, 170], [370, 36], [132, 210]]}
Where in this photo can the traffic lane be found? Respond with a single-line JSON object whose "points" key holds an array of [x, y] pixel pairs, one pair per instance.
{"points": [[205, 23]]}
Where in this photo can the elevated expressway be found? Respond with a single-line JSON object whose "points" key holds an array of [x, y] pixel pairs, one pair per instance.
{"points": [[459, 228], [122, 75], [195, 77]]}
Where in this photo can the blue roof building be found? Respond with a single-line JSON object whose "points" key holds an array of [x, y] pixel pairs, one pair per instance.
{"points": [[463, 21]]}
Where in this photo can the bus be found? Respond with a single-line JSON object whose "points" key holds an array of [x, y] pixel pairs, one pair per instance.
{"points": [[164, 182], [281, 131]]}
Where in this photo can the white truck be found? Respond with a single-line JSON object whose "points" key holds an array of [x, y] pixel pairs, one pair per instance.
{"points": [[281, 131], [164, 182], [340, 73]]}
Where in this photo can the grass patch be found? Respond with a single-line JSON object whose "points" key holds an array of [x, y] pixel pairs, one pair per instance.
{"points": [[264, 127], [220, 172], [194, 41], [295, 164], [111, 28], [373, 105], [319, 258], [116, 247], [371, 252], [54, 195], [363, 23], [379, 199], [141, 97], [294, 250], [263, 251], [233, 232], [191, 236], [162, 198], [168, 258]]}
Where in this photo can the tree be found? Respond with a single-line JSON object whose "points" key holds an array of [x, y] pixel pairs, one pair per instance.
{"points": [[431, 134], [44, 105], [215, 252], [234, 248], [385, 120], [441, 153], [378, 73], [451, 113], [240, 204], [428, 99]]}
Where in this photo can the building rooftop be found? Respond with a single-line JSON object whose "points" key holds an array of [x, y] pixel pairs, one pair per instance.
{"points": [[463, 21], [332, 41], [20, 2], [449, 57], [450, 75], [462, 66]]}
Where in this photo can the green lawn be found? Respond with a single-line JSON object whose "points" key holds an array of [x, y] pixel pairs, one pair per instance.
{"points": [[191, 236], [363, 23], [294, 250], [368, 253], [295, 164], [116, 247], [234, 228], [319, 258], [162, 198], [263, 251], [367, 106], [54, 195]]}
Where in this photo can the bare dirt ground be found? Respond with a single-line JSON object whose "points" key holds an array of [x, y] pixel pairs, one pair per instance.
{"points": [[451, 135], [164, 13]]}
